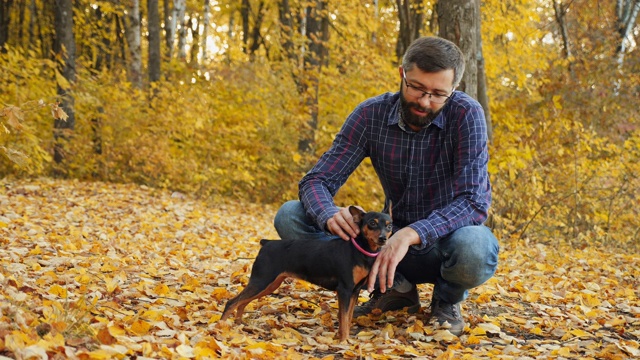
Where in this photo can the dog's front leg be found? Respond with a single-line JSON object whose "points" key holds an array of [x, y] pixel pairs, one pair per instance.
{"points": [[345, 310]]}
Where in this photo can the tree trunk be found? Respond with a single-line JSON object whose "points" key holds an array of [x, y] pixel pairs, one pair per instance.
{"points": [[120, 53], [411, 17], [255, 33], [153, 14], [180, 8], [313, 60], [195, 39], [457, 23], [33, 14], [483, 96], [5, 19], [286, 29], [103, 43], [627, 13], [245, 9], [376, 15], [205, 27], [132, 32], [560, 12], [169, 28], [21, 11], [65, 49]]}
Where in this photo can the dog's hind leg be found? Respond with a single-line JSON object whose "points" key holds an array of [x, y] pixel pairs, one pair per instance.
{"points": [[254, 290]]}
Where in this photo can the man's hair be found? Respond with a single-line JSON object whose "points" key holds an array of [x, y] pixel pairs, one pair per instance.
{"points": [[434, 54]]}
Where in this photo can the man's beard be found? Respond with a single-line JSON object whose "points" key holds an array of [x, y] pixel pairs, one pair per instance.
{"points": [[415, 120]]}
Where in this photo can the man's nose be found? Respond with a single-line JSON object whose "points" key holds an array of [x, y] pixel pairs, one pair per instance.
{"points": [[425, 101]]}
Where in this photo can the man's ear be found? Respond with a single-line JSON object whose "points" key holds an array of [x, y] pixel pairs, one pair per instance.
{"points": [[356, 213]]}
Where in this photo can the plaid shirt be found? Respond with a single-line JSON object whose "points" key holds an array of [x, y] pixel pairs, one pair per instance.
{"points": [[436, 178]]}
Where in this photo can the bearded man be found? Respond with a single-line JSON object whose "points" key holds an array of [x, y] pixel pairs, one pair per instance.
{"points": [[428, 146]]}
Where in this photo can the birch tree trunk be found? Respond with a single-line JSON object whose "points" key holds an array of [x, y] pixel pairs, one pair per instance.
{"points": [[179, 10], [205, 27], [627, 13], [132, 33]]}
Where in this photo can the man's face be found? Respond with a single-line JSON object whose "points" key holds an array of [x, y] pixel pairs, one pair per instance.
{"points": [[423, 95]]}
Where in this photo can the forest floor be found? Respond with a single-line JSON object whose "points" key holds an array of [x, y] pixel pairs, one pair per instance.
{"points": [[102, 271]]}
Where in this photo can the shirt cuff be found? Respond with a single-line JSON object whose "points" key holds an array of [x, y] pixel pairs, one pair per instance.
{"points": [[427, 234], [324, 216]]}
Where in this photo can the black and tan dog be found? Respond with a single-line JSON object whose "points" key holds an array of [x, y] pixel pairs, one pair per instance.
{"points": [[336, 264]]}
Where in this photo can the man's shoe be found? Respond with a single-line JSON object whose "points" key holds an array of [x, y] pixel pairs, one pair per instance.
{"points": [[442, 312], [390, 300]]}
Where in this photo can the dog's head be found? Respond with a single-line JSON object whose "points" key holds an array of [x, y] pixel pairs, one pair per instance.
{"points": [[375, 227]]}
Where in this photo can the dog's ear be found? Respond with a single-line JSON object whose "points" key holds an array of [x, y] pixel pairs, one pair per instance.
{"points": [[391, 209], [356, 213]]}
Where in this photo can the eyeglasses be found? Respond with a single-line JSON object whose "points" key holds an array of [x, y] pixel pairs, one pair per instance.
{"points": [[417, 92]]}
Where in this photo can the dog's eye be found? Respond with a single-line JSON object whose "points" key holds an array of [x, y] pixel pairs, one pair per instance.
{"points": [[372, 224], [389, 227]]}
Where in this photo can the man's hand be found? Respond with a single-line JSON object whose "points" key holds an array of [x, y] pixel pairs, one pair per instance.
{"points": [[342, 224], [390, 256]]}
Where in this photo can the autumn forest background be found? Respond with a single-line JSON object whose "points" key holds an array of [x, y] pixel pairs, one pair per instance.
{"points": [[230, 102]]}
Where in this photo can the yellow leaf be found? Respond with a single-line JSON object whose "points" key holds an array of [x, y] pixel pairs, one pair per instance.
{"points": [[161, 289], [388, 332], [536, 330], [112, 284], [36, 251], [564, 351], [214, 318], [108, 268], [220, 293], [83, 279], [557, 102], [62, 81], [473, 340], [100, 354], [580, 333], [140, 327], [116, 330], [204, 353], [152, 315], [58, 291]]}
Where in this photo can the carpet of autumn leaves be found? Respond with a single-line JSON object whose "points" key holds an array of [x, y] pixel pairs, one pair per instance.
{"points": [[103, 271]]}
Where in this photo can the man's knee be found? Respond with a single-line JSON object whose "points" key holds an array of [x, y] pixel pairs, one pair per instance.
{"points": [[286, 215], [473, 255]]}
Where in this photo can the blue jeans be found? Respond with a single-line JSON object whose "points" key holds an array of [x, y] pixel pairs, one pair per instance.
{"points": [[460, 261]]}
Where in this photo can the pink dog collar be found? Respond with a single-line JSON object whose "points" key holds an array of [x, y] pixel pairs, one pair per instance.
{"points": [[363, 250]]}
